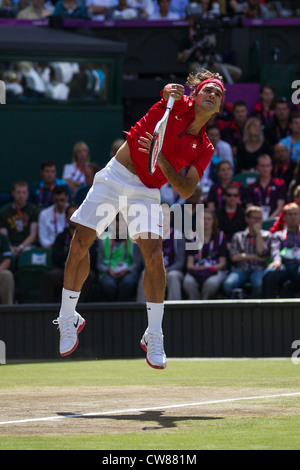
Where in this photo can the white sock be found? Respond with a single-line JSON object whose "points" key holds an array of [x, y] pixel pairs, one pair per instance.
{"points": [[68, 302], [155, 312]]}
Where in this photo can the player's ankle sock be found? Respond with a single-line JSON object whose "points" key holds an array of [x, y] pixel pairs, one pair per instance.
{"points": [[68, 302], [155, 312]]}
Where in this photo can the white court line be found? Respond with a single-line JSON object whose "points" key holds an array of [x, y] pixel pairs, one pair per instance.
{"points": [[153, 408]]}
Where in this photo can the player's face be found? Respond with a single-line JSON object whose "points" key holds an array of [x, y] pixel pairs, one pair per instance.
{"points": [[209, 97]]}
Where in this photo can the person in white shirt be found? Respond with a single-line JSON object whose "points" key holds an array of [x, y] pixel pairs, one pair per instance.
{"points": [[164, 12], [222, 149], [97, 8], [73, 173], [52, 220]]}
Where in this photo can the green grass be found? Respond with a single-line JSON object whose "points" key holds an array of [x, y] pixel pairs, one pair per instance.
{"points": [[271, 431]]}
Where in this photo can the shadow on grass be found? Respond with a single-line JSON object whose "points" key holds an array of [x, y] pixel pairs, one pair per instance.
{"points": [[163, 422]]}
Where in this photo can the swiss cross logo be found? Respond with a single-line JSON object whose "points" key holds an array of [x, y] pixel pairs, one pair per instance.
{"points": [[2, 93]]}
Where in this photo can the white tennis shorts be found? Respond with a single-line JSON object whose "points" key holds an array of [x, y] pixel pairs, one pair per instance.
{"points": [[116, 189]]}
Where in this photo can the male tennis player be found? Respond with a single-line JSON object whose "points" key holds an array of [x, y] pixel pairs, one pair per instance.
{"points": [[125, 181]]}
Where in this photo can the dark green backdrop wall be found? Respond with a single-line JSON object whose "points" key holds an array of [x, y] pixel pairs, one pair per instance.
{"points": [[32, 133]]}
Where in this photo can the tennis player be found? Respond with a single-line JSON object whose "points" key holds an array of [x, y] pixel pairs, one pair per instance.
{"points": [[125, 183]]}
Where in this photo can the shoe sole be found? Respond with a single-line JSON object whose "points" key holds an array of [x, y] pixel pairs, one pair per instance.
{"points": [[77, 342], [143, 346]]}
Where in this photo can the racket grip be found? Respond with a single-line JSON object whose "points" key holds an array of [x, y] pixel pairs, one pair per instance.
{"points": [[170, 102]]}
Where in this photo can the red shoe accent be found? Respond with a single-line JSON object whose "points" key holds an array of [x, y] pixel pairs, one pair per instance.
{"points": [[77, 342]]}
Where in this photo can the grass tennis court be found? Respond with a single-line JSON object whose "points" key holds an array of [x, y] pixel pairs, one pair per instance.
{"points": [[125, 405]]}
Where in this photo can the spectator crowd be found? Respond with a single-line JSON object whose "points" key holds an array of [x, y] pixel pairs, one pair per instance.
{"points": [[116, 10], [250, 196]]}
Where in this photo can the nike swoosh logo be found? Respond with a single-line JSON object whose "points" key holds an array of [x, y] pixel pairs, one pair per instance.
{"points": [[76, 324], [70, 297]]}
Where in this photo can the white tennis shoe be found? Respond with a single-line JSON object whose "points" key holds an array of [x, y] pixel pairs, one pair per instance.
{"points": [[69, 329], [153, 344]]}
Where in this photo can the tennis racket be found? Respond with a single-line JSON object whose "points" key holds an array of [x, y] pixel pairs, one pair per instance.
{"points": [[158, 138]]}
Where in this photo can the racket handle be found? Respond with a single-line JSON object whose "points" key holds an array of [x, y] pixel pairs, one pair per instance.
{"points": [[170, 102]]}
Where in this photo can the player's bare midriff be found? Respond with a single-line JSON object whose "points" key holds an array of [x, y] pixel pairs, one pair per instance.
{"points": [[123, 157]]}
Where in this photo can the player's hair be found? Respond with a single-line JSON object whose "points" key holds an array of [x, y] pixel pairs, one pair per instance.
{"points": [[194, 79]]}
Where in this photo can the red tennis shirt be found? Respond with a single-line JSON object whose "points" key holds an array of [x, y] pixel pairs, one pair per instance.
{"points": [[179, 148]]}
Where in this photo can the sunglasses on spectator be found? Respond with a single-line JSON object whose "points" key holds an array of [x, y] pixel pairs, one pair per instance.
{"points": [[231, 195]]}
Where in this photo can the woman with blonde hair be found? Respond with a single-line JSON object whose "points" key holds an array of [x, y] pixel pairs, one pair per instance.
{"points": [[74, 173], [253, 145]]}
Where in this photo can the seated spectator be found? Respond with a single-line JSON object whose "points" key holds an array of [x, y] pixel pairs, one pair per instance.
{"points": [[231, 216], [215, 197], [268, 193], [264, 110], [8, 9], [235, 7], [97, 8], [164, 12], [180, 7], [52, 220], [294, 183], [145, 7], [222, 150], [52, 280], [7, 282], [206, 267], [56, 89], [70, 9], [253, 145], [34, 11], [73, 173], [279, 127], [123, 11], [279, 223], [89, 172], [233, 131], [169, 195], [255, 9], [286, 265], [190, 212], [292, 142], [41, 191], [173, 246], [119, 265], [249, 253], [19, 220], [283, 166]]}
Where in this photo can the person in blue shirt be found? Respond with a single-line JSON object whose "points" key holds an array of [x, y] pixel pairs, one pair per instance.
{"points": [[70, 9], [292, 142]]}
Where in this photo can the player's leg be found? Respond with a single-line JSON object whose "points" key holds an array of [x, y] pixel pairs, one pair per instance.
{"points": [[77, 269], [154, 285]]}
